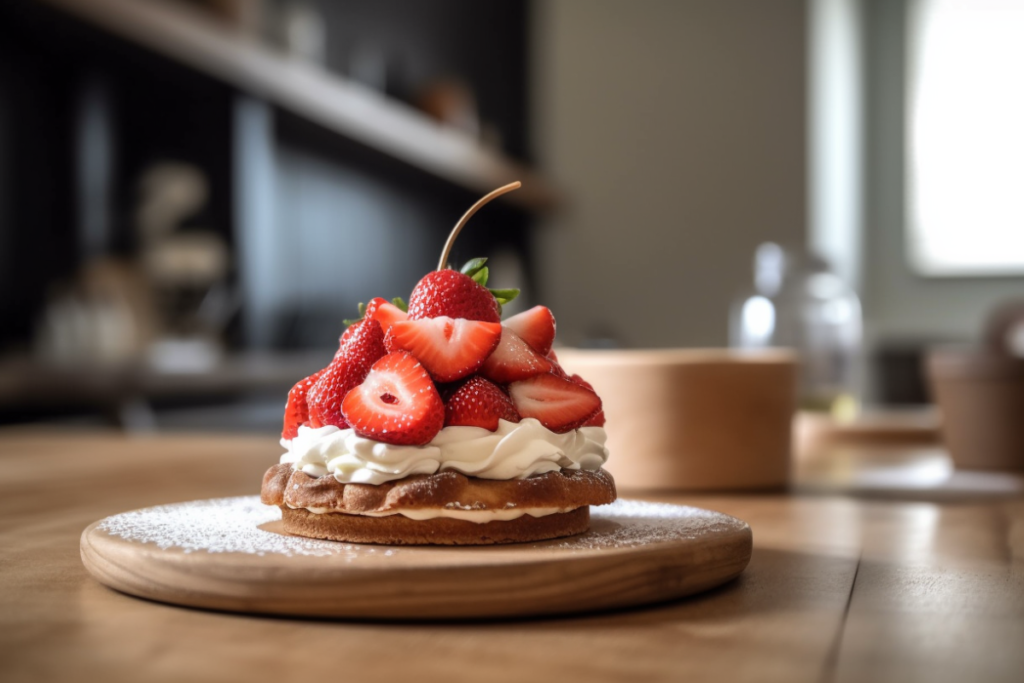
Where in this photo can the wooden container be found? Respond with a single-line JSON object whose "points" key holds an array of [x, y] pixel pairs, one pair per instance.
{"points": [[981, 396], [694, 419]]}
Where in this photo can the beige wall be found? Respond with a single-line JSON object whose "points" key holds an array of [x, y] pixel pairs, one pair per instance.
{"points": [[677, 127]]}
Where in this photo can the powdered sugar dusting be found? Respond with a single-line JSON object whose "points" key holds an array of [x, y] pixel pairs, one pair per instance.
{"points": [[632, 523], [221, 525], [232, 525]]}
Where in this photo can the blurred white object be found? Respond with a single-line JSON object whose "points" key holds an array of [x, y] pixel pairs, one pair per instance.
{"points": [[800, 303], [104, 316], [185, 355], [965, 151], [300, 31]]}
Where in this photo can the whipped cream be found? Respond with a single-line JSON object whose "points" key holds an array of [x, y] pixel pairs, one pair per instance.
{"points": [[476, 516], [515, 451]]}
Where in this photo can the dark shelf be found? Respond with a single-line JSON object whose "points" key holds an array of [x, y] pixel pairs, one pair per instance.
{"points": [[341, 106]]}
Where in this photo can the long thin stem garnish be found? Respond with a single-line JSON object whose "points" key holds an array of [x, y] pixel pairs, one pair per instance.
{"points": [[469, 214]]}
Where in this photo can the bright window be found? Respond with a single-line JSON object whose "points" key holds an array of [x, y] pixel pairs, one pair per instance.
{"points": [[966, 137]]}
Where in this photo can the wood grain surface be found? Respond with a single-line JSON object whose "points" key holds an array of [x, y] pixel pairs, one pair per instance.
{"points": [[638, 555], [838, 589]]}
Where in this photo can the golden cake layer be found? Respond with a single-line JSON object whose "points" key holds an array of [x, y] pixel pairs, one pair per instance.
{"points": [[366, 513]]}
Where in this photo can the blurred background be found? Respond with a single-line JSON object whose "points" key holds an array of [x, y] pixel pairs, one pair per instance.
{"points": [[195, 193]]}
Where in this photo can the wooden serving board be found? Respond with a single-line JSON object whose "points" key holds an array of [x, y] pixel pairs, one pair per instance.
{"points": [[230, 554]]}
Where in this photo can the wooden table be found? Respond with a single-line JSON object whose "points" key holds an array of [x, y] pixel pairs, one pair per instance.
{"points": [[839, 589]]}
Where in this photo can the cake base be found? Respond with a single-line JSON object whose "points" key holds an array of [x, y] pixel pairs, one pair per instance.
{"points": [[401, 530]]}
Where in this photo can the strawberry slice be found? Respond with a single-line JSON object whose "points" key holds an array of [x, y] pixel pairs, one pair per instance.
{"points": [[397, 403], [598, 419], [557, 369], [478, 403], [384, 312], [362, 345], [296, 409], [451, 293], [559, 404], [449, 348], [536, 327], [513, 360]]}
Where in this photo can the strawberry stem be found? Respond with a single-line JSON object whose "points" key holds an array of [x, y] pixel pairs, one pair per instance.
{"points": [[469, 214]]}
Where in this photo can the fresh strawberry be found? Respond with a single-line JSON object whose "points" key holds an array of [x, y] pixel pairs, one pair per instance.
{"points": [[536, 327], [451, 293], [449, 348], [559, 404], [513, 360], [362, 345], [397, 402], [345, 336], [365, 344], [296, 410], [384, 312], [557, 369], [478, 403], [598, 419]]}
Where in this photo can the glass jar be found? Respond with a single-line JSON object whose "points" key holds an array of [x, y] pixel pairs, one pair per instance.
{"points": [[800, 303]]}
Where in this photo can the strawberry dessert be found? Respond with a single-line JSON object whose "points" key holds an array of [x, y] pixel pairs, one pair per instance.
{"points": [[438, 422]]}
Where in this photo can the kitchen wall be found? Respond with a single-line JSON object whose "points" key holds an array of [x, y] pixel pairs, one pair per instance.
{"points": [[678, 133]]}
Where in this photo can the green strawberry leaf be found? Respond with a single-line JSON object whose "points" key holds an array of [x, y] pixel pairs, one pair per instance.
{"points": [[362, 314], [400, 302], [480, 276], [473, 266], [505, 295]]}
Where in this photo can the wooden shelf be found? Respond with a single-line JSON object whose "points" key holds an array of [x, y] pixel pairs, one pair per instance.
{"points": [[346, 108]]}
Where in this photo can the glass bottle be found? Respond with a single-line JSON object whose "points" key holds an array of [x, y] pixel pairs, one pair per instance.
{"points": [[800, 303]]}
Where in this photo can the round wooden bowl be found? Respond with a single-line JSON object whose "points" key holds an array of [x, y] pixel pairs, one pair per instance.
{"points": [[981, 396], [694, 419]]}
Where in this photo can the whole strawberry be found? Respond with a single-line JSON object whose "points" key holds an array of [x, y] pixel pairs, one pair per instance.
{"points": [[362, 346], [296, 410], [478, 403], [453, 294]]}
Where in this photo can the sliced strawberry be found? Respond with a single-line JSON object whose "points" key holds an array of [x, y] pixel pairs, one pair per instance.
{"points": [[449, 348], [450, 293], [598, 419], [384, 312], [512, 360], [557, 369], [559, 404], [478, 403], [397, 403], [536, 327], [362, 345], [296, 410], [551, 356]]}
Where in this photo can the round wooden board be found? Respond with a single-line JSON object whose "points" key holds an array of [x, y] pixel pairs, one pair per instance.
{"points": [[229, 554]]}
